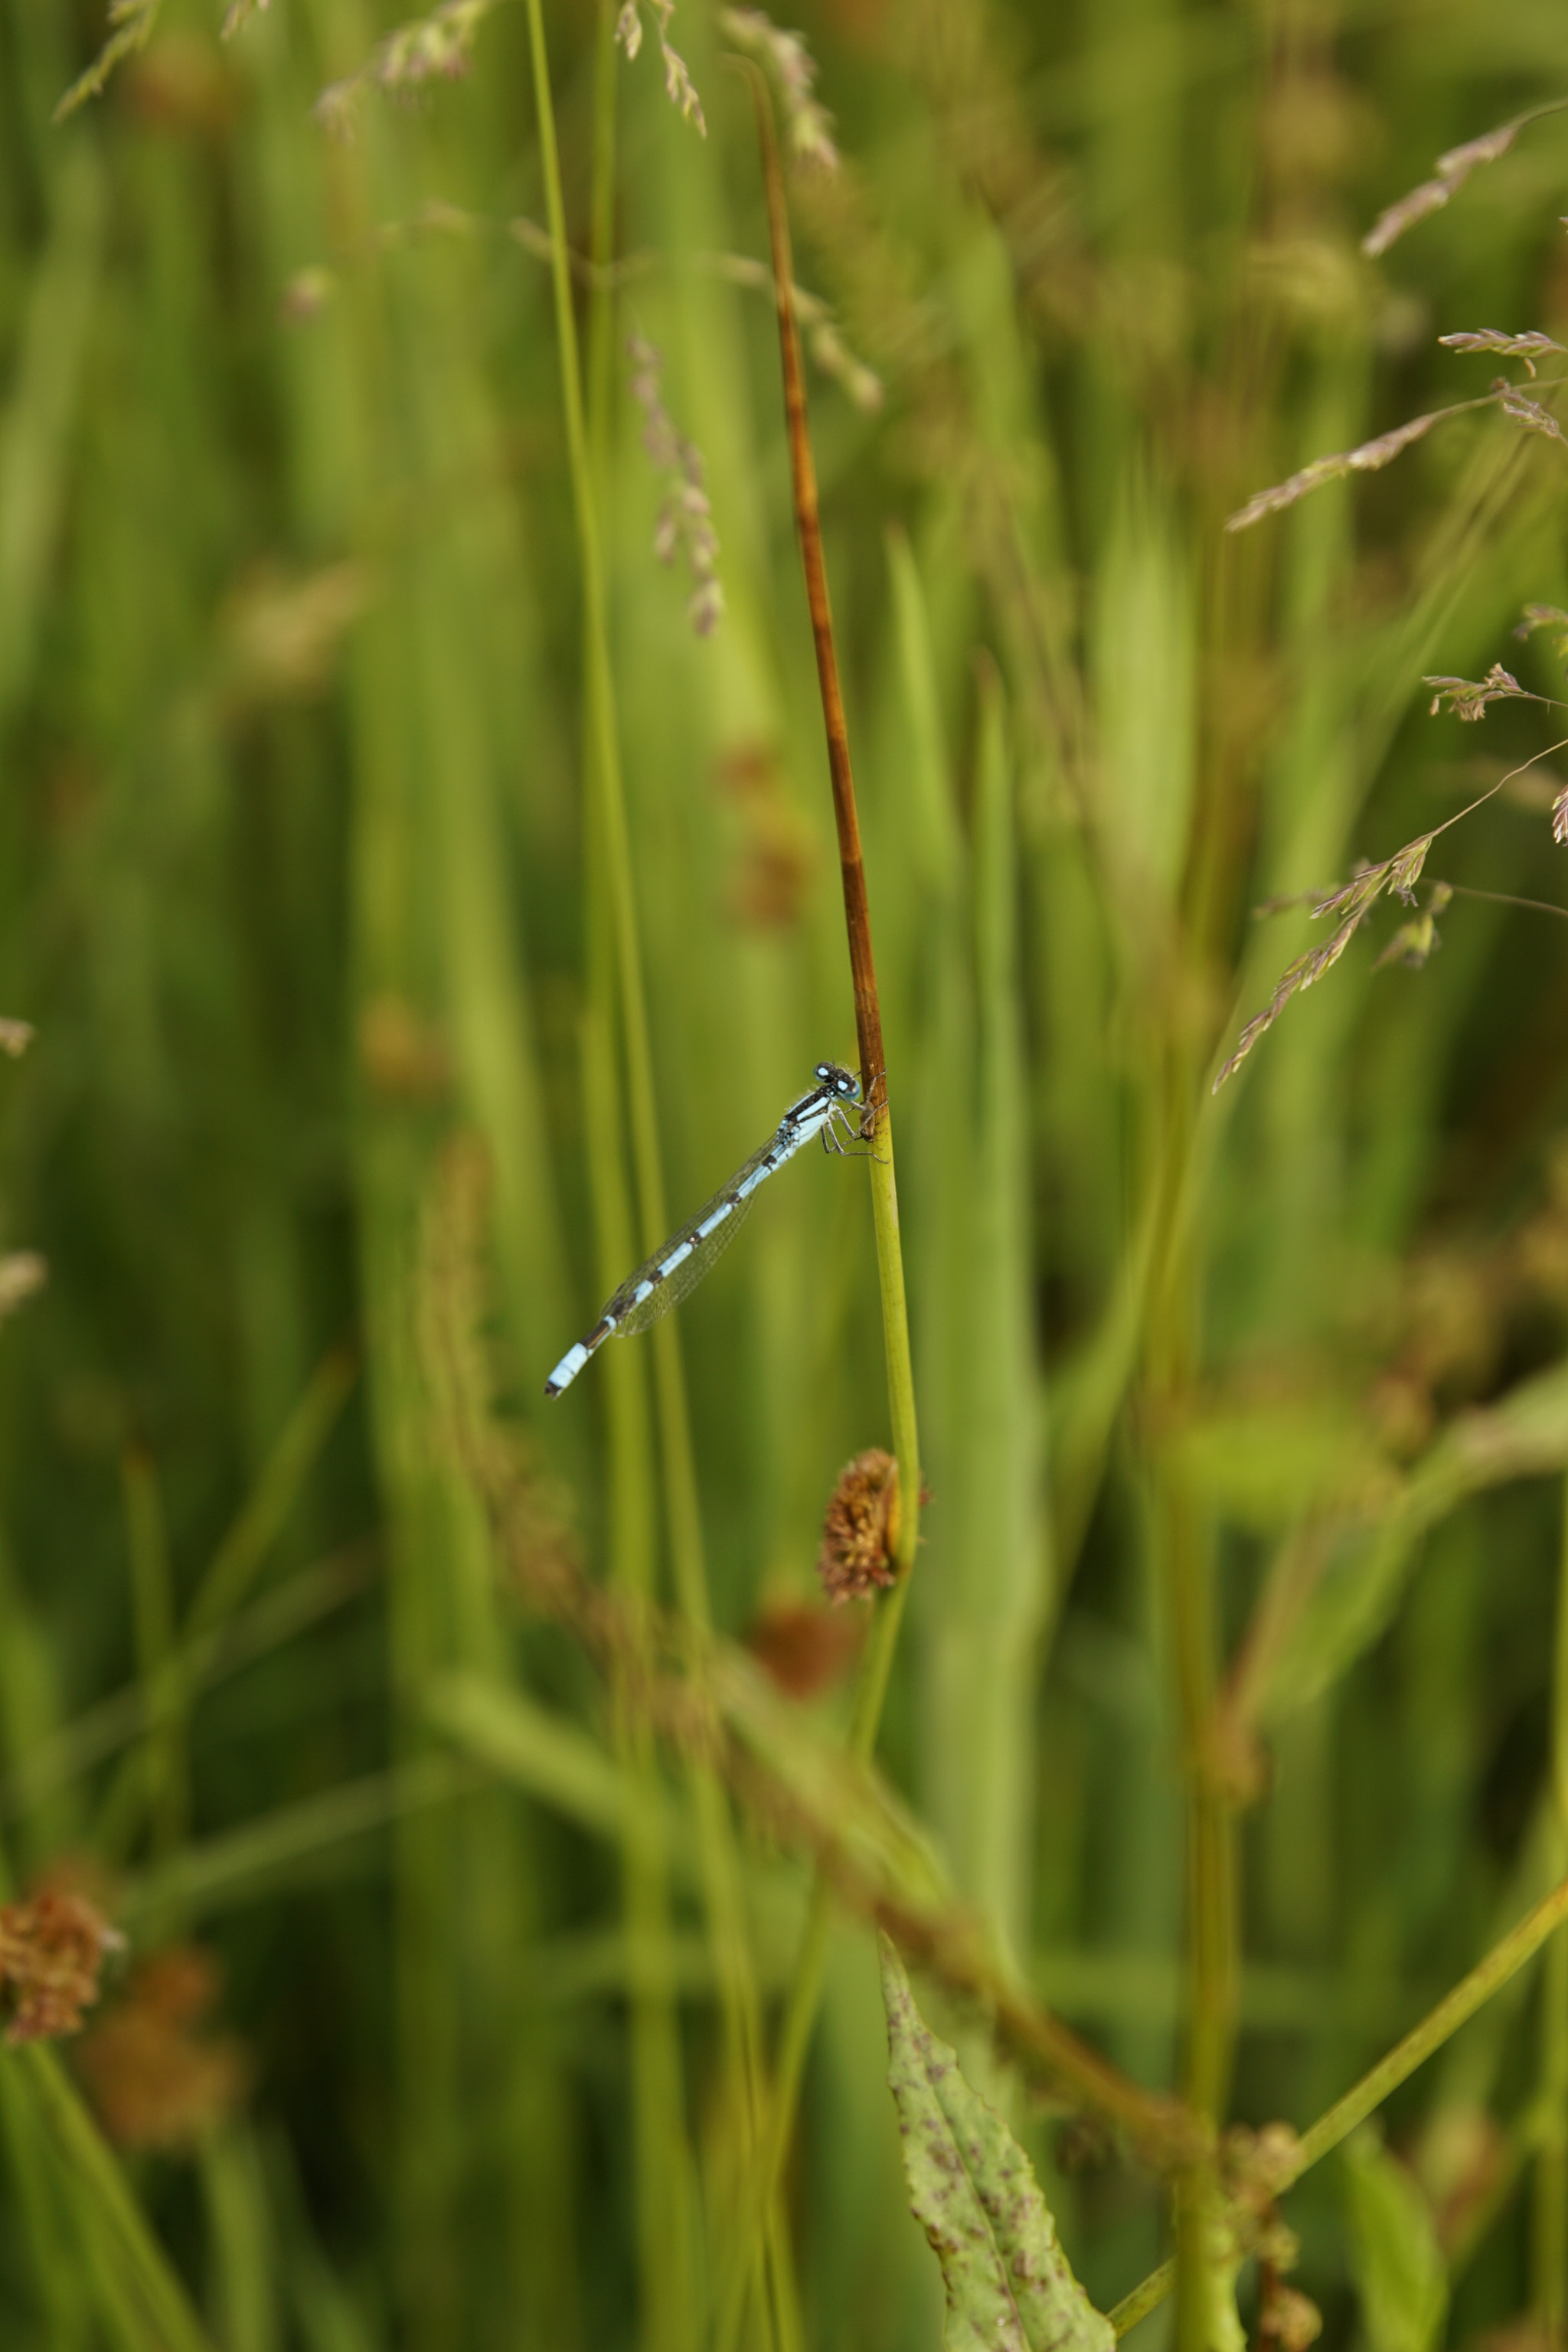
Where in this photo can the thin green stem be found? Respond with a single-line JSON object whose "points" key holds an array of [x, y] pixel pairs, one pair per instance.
{"points": [[806, 1979], [721, 1879], [1549, 2248], [1184, 1558], [1508, 1956], [167, 1782], [663, 2197], [118, 2223]]}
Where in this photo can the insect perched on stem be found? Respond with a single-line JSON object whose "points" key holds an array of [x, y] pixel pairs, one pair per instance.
{"points": [[691, 1249]]}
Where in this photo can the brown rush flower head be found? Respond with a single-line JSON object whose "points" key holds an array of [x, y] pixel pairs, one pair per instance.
{"points": [[802, 1649], [52, 1949], [155, 2078], [861, 1530], [685, 522]]}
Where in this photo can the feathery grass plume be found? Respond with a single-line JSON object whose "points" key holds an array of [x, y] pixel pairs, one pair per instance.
{"points": [[1416, 941], [1545, 617], [679, 85], [1528, 347], [860, 1528], [433, 47], [1304, 973], [1366, 459], [1467, 697], [22, 1273], [15, 1036], [808, 126], [156, 2078], [685, 517], [1350, 904], [52, 1951], [131, 23], [1531, 413], [1452, 169]]}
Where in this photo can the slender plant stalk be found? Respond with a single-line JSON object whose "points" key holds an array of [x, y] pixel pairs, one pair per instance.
{"points": [[117, 2218], [167, 1781], [1508, 1956], [1549, 2248], [805, 1985], [663, 2191], [1185, 1560], [720, 1868], [852, 870]]}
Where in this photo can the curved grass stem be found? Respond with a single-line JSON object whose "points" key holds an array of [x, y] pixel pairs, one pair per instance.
{"points": [[615, 881], [805, 1985]]}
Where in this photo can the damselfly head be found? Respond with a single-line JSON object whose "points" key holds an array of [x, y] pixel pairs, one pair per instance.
{"points": [[839, 1081]]}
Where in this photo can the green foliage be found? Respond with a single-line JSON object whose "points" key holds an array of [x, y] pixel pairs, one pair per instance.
{"points": [[411, 905]]}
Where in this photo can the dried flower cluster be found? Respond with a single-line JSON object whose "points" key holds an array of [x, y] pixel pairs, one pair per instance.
{"points": [[860, 1529], [52, 1951], [154, 2079], [679, 85], [808, 126], [685, 522], [1287, 2317], [433, 47]]}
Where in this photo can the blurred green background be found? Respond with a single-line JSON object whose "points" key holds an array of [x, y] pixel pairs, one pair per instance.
{"points": [[1245, 1417]]}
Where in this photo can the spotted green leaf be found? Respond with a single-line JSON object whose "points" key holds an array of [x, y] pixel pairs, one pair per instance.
{"points": [[973, 2191]]}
